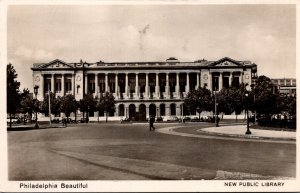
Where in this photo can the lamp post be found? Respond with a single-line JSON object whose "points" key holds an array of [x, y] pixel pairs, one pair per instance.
{"points": [[248, 132], [253, 89], [216, 109], [87, 114], [49, 95], [36, 88]]}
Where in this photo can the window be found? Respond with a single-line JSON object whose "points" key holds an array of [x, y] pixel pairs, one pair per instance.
{"points": [[215, 83], [162, 110], [225, 82], [173, 109], [236, 82], [57, 85]]}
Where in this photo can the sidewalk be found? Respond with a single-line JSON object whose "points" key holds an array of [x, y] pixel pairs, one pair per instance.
{"points": [[239, 131]]}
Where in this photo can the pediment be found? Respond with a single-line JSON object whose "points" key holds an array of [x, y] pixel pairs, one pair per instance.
{"points": [[226, 62], [56, 64]]}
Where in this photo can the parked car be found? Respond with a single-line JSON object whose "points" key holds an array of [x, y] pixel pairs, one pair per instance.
{"points": [[159, 119], [172, 118], [125, 120], [14, 120]]}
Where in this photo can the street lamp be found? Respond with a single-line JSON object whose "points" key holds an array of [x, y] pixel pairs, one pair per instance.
{"points": [[49, 98], [216, 109], [87, 114], [36, 89], [248, 132], [253, 85]]}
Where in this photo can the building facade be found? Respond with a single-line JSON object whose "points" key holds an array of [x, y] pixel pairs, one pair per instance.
{"points": [[141, 88], [286, 85]]}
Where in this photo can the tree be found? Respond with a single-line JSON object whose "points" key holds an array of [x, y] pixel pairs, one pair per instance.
{"points": [[107, 104], [199, 100], [225, 99], [55, 104], [68, 104], [13, 95], [86, 104], [28, 104], [239, 99], [287, 105], [266, 96], [232, 99]]}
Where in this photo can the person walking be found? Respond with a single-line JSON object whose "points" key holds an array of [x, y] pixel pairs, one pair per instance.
{"points": [[152, 120]]}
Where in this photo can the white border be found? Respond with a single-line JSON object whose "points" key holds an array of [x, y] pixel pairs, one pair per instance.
{"points": [[130, 186]]}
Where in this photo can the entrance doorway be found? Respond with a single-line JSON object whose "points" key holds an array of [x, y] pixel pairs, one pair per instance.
{"points": [[152, 110], [132, 112]]}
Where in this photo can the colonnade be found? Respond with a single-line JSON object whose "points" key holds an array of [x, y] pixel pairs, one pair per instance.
{"points": [[65, 84], [125, 92], [142, 85]]}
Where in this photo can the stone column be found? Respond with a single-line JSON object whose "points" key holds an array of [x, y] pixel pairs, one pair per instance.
{"points": [[96, 84], [86, 83], [230, 79], [177, 88], [147, 111], [211, 82], [106, 82], [157, 86], [168, 109], [147, 86], [116, 84], [126, 85], [167, 85], [42, 87], [187, 82], [62, 84], [197, 82], [126, 113], [178, 109], [117, 110], [73, 84], [241, 78], [137, 85], [52, 83], [221, 81]]}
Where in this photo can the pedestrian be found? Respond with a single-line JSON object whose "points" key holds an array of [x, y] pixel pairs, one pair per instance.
{"points": [[63, 121], [152, 120]]}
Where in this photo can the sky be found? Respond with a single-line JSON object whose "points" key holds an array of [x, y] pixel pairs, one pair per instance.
{"points": [[263, 34]]}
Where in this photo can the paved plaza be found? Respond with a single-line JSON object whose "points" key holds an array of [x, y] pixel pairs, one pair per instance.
{"points": [[116, 151]]}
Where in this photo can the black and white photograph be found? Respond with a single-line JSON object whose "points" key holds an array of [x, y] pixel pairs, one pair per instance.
{"points": [[149, 96]]}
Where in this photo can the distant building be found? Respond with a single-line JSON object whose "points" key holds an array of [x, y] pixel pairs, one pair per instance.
{"points": [[286, 85], [141, 88]]}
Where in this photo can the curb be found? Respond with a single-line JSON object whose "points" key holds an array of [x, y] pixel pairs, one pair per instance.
{"points": [[244, 136]]}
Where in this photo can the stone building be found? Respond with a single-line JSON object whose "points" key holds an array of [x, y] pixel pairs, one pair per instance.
{"points": [[286, 85], [141, 88]]}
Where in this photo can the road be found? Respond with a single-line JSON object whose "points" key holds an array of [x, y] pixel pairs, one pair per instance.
{"points": [[131, 152]]}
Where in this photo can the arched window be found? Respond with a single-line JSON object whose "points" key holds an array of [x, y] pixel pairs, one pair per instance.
{"points": [[121, 110], [162, 109], [173, 109]]}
